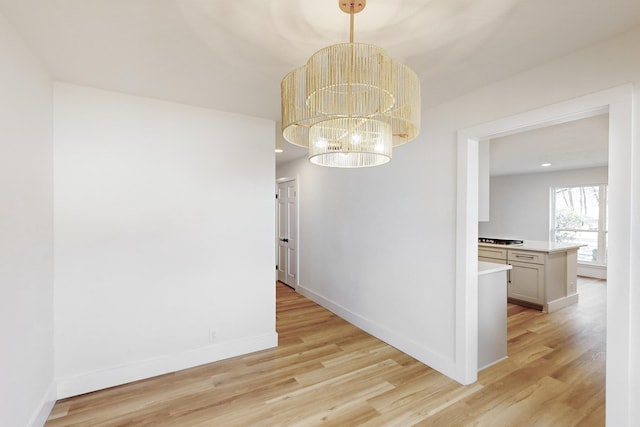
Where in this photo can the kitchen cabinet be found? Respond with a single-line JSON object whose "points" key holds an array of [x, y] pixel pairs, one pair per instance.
{"points": [[526, 283], [492, 313], [543, 274]]}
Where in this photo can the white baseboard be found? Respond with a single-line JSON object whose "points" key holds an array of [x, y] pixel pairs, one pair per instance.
{"points": [[408, 346], [488, 365], [594, 271], [39, 418], [101, 379], [559, 303]]}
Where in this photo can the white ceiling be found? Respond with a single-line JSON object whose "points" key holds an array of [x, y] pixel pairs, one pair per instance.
{"points": [[573, 145], [231, 55]]}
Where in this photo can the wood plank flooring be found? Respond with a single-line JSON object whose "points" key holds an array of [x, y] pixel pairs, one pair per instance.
{"points": [[327, 371]]}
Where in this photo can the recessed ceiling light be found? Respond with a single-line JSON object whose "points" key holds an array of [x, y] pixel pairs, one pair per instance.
{"points": [[545, 165], [279, 150]]}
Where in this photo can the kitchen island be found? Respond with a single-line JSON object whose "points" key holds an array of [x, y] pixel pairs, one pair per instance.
{"points": [[543, 274], [492, 313]]}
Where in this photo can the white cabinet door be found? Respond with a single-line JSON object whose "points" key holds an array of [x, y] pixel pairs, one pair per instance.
{"points": [[526, 282]]}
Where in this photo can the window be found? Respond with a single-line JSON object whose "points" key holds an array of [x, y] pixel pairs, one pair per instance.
{"points": [[579, 214]]}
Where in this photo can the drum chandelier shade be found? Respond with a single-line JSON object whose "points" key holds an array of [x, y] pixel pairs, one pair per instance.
{"points": [[350, 103]]}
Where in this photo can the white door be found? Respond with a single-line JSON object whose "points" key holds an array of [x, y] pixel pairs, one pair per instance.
{"points": [[287, 232]]}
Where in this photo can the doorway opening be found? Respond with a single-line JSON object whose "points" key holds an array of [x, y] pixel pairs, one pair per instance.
{"points": [[618, 103]]}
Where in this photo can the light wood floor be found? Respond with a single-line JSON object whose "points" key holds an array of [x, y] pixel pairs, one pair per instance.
{"points": [[326, 371]]}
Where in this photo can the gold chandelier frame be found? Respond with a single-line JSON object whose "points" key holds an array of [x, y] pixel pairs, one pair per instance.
{"points": [[350, 103]]}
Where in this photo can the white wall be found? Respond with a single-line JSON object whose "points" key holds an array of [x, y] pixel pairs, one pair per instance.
{"points": [[26, 235], [164, 218], [379, 245], [519, 206], [376, 245]]}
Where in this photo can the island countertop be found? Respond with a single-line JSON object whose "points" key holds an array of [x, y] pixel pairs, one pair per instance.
{"points": [[538, 246], [491, 267]]}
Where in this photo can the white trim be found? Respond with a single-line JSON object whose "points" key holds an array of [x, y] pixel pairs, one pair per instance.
{"points": [[117, 375], [408, 346], [466, 326], [619, 265], [495, 362], [297, 242], [284, 179], [618, 102], [559, 303], [593, 271], [39, 417]]}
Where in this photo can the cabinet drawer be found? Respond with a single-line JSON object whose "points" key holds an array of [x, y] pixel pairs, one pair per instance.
{"points": [[493, 260], [526, 256], [495, 253]]}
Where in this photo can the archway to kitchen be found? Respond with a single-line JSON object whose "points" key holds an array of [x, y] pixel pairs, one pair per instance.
{"points": [[618, 103]]}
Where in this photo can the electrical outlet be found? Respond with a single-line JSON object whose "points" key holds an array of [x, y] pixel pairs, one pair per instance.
{"points": [[212, 336]]}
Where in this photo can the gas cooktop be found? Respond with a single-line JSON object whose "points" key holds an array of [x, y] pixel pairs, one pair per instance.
{"points": [[499, 241]]}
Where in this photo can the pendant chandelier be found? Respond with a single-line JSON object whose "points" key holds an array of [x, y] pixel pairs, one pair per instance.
{"points": [[350, 103]]}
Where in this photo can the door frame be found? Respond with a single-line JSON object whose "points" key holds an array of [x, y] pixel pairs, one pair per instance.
{"points": [[618, 102], [297, 228]]}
